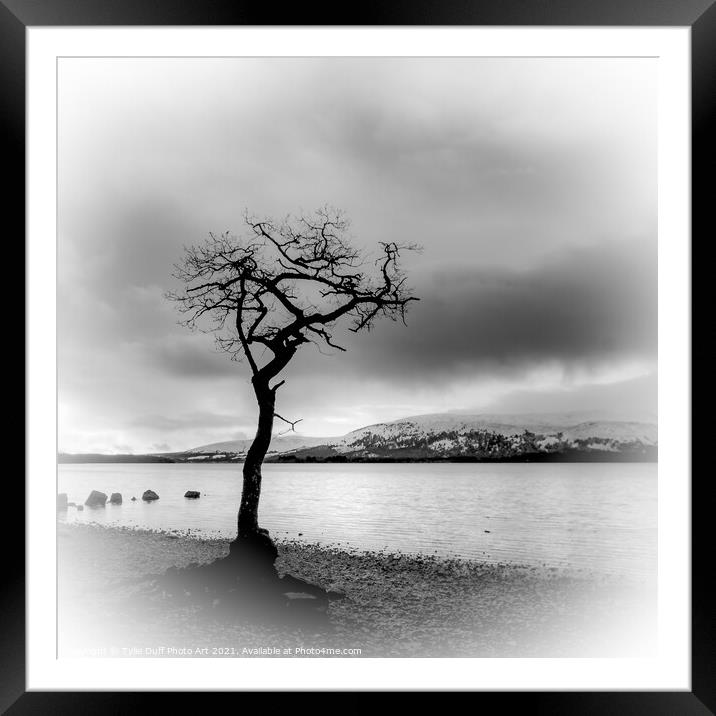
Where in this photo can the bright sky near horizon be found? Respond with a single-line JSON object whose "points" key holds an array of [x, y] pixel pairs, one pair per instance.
{"points": [[531, 184]]}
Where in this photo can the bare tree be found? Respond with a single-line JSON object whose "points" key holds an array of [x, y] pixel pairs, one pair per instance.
{"points": [[282, 286]]}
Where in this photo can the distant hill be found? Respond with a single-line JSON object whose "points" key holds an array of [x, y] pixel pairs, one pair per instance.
{"points": [[451, 436], [570, 425], [444, 436], [279, 443], [490, 437]]}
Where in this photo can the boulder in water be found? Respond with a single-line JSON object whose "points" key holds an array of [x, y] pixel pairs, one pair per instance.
{"points": [[150, 495], [96, 499], [62, 502], [116, 498], [192, 494]]}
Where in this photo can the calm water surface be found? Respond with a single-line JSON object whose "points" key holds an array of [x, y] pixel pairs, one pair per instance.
{"points": [[596, 516]]}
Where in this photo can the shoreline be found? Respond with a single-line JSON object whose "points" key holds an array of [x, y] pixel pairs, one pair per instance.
{"points": [[395, 605], [568, 457]]}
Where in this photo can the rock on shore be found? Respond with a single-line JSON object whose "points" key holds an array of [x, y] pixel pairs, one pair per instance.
{"points": [[96, 499]]}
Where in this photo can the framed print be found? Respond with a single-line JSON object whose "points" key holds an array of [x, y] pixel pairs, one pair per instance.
{"points": [[359, 354]]}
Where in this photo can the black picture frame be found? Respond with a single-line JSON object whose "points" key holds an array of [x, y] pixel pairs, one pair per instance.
{"points": [[699, 15]]}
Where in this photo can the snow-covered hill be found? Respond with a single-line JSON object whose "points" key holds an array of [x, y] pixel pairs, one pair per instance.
{"points": [[453, 435], [496, 436]]}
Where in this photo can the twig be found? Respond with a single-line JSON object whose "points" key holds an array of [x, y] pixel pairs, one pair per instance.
{"points": [[291, 423]]}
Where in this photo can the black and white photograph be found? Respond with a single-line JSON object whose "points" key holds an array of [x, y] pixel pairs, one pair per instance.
{"points": [[357, 357]]}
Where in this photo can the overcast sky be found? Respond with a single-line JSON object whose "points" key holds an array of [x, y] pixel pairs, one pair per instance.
{"points": [[530, 183]]}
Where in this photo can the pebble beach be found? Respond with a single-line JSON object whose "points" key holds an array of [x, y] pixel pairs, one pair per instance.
{"points": [[393, 605]]}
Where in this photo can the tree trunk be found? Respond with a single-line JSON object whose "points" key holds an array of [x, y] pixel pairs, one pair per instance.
{"points": [[251, 491], [253, 552]]}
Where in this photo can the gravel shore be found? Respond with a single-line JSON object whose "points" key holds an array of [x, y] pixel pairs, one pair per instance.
{"points": [[395, 605]]}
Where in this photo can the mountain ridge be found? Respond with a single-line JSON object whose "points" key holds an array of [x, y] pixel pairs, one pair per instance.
{"points": [[460, 435]]}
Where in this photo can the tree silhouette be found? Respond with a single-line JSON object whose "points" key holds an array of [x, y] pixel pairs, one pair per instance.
{"points": [[264, 296]]}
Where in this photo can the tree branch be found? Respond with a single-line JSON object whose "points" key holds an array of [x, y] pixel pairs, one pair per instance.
{"points": [[284, 283], [291, 423]]}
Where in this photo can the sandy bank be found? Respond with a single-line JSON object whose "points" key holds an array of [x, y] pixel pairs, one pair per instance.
{"points": [[395, 605]]}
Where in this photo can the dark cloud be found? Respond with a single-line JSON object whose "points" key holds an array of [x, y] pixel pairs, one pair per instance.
{"points": [[588, 306], [527, 181]]}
